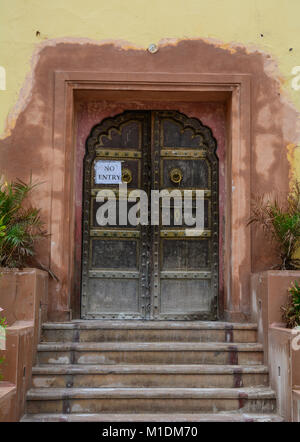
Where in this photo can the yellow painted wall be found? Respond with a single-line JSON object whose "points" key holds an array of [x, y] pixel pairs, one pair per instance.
{"points": [[141, 22]]}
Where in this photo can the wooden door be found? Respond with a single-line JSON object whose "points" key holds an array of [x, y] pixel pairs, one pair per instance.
{"points": [[144, 271]]}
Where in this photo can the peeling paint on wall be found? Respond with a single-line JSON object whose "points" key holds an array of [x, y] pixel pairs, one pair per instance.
{"points": [[192, 37], [25, 25], [27, 28]]}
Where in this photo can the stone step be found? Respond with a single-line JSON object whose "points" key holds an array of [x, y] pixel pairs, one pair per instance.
{"points": [[150, 400], [150, 353], [148, 331], [175, 417], [189, 376]]}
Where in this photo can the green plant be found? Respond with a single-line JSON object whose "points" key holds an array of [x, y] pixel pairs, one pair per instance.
{"points": [[3, 325], [2, 228], [291, 310], [3, 322], [20, 224], [280, 221]]}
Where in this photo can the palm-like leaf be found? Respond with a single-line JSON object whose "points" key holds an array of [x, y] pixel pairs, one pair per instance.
{"points": [[291, 310], [280, 222]]}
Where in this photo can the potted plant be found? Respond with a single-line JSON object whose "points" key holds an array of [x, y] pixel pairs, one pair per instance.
{"points": [[276, 295], [291, 309], [20, 225], [280, 220], [23, 284]]}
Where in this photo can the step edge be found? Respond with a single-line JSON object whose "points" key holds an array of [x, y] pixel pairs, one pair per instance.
{"points": [[150, 393], [149, 346], [163, 325], [149, 369], [161, 417]]}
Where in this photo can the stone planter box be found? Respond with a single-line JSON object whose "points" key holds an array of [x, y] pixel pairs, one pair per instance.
{"points": [[296, 405], [7, 402], [268, 294], [284, 367], [23, 296]]}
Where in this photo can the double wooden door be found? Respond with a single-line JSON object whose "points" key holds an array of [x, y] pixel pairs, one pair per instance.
{"points": [[150, 271]]}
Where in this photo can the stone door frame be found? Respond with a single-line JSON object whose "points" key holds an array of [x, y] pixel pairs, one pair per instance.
{"points": [[235, 90]]}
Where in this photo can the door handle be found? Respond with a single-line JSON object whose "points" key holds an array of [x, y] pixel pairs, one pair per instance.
{"points": [[176, 175], [126, 176]]}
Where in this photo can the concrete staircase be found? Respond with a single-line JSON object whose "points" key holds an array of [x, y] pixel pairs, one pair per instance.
{"points": [[150, 371]]}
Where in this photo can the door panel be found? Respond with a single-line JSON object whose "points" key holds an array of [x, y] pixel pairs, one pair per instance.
{"points": [[123, 254], [95, 205], [176, 213], [185, 254], [195, 173], [112, 296], [172, 135], [115, 264], [185, 265], [122, 135], [151, 272], [185, 296]]}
